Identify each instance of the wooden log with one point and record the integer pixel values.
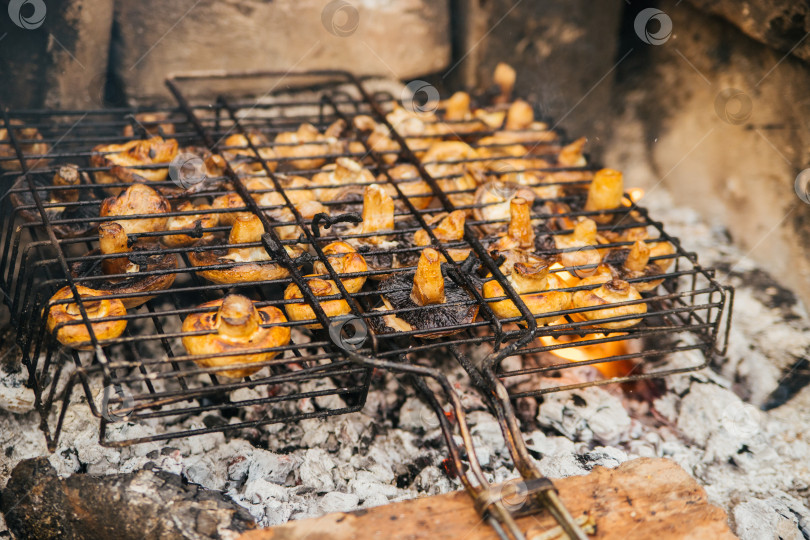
(641, 499)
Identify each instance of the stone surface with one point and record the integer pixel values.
(782, 24)
(564, 53)
(723, 122)
(145, 504)
(403, 38)
(59, 63)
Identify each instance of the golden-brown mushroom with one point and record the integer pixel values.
(340, 178)
(519, 233)
(306, 148)
(635, 264)
(459, 120)
(407, 177)
(153, 123)
(492, 204)
(663, 251)
(605, 193)
(612, 292)
(104, 313)
(236, 149)
(124, 274)
(344, 259)
(235, 326)
(30, 141)
(430, 303)
(571, 154)
(378, 138)
(450, 228)
(301, 311)
(193, 223)
(230, 202)
(419, 129)
(448, 162)
(519, 171)
(138, 199)
(538, 289)
(300, 193)
(245, 263)
(504, 77)
(137, 161)
(581, 248)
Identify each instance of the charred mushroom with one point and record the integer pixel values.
(634, 264)
(30, 141)
(605, 193)
(612, 292)
(538, 289)
(492, 204)
(521, 233)
(236, 326)
(301, 311)
(138, 161)
(192, 223)
(245, 263)
(57, 196)
(432, 304)
(138, 199)
(122, 275)
(104, 312)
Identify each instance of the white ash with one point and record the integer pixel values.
(752, 463)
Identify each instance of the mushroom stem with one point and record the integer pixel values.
(347, 170)
(520, 223)
(428, 283)
(530, 278)
(66, 175)
(504, 78)
(449, 229)
(378, 210)
(605, 191)
(638, 258)
(113, 239)
(585, 231)
(519, 116)
(237, 317)
(247, 228)
(457, 107)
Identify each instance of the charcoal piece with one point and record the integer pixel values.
(141, 505)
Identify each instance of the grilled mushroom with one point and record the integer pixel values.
(504, 77)
(581, 248)
(407, 177)
(245, 263)
(341, 180)
(344, 260)
(298, 189)
(135, 161)
(195, 222)
(306, 148)
(64, 177)
(571, 154)
(124, 272)
(458, 117)
(431, 304)
(537, 288)
(30, 140)
(605, 193)
(612, 292)
(521, 234)
(521, 128)
(76, 336)
(451, 164)
(301, 311)
(230, 202)
(634, 263)
(378, 138)
(244, 160)
(518, 171)
(138, 199)
(450, 228)
(235, 325)
(153, 123)
(419, 129)
(492, 204)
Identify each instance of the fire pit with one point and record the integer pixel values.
(316, 164)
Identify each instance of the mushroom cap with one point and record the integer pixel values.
(133, 162)
(306, 148)
(230, 201)
(234, 325)
(191, 221)
(431, 320)
(30, 149)
(135, 200)
(634, 264)
(301, 311)
(539, 303)
(344, 260)
(88, 266)
(612, 292)
(77, 336)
